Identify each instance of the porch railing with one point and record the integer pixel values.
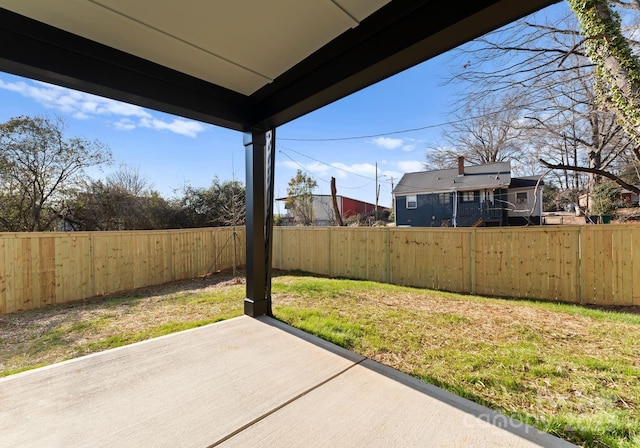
(469, 213)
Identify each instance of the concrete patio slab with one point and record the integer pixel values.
(242, 382)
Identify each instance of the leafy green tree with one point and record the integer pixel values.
(106, 206)
(124, 201)
(222, 204)
(606, 197)
(299, 200)
(38, 166)
(631, 173)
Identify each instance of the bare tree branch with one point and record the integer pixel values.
(602, 173)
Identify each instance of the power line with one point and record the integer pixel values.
(359, 137)
(303, 167)
(327, 164)
(422, 128)
(316, 176)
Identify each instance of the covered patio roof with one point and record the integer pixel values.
(241, 64)
(248, 65)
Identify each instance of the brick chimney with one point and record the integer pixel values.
(461, 166)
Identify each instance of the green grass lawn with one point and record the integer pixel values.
(570, 371)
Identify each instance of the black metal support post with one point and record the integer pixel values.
(259, 152)
(271, 173)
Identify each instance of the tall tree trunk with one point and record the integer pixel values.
(617, 68)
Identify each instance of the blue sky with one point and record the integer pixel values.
(171, 151)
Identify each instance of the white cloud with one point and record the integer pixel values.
(84, 106)
(124, 124)
(363, 169)
(178, 126)
(410, 166)
(405, 144)
(290, 164)
(388, 143)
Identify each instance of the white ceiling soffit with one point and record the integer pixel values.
(238, 44)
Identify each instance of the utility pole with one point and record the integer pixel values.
(393, 208)
(377, 192)
(334, 200)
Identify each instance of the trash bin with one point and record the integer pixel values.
(606, 219)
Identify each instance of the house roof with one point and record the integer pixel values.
(241, 64)
(493, 175)
(526, 181)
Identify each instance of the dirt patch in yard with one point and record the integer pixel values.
(59, 332)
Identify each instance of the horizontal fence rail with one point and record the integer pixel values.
(595, 264)
(38, 269)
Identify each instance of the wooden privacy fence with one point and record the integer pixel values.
(596, 264)
(38, 269)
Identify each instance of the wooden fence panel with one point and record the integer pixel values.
(340, 253)
(377, 254)
(579, 264)
(14, 277)
(594, 264)
(635, 267)
(610, 263)
(452, 261)
(38, 269)
(528, 263)
(4, 286)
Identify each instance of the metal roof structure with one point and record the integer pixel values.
(247, 65)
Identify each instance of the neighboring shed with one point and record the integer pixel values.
(323, 214)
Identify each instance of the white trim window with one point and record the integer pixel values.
(412, 201)
(444, 199)
(468, 196)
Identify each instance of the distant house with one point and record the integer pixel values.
(323, 214)
(627, 198)
(468, 196)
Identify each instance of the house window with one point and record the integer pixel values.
(521, 198)
(412, 201)
(468, 196)
(444, 198)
